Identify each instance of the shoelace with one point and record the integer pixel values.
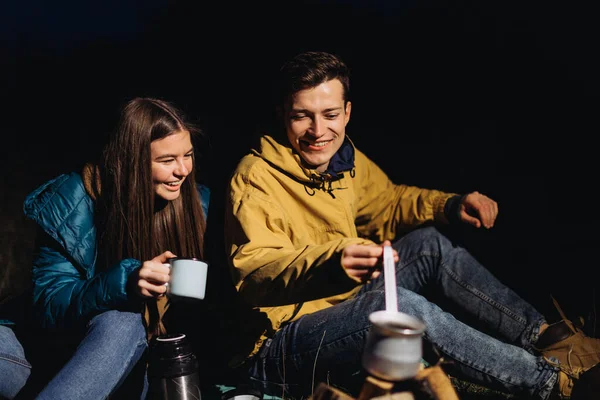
(571, 371)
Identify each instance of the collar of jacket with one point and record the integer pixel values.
(285, 158)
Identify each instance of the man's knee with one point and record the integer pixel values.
(423, 235)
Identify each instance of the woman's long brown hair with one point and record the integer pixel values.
(132, 222)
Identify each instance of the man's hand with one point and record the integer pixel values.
(364, 262)
(152, 277)
(478, 210)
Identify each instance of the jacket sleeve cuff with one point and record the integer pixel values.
(452, 209)
(439, 208)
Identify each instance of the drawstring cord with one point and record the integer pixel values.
(325, 183)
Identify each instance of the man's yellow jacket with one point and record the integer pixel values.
(287, 225)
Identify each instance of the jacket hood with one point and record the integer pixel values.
(64, 210)
(287, 160)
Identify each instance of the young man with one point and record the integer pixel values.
(307, 217)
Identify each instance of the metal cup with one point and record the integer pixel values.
(394, 346)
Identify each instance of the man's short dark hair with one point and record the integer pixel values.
(310, 69)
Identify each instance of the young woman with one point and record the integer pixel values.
(105, 232)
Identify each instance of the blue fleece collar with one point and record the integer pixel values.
(342, 160)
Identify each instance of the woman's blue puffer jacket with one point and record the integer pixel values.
(67, 291)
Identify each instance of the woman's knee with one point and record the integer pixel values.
(120, 324)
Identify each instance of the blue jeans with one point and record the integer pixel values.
(14, 368)
(327, 346)
(103, 363)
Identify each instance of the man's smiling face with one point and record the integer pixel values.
(316, 123)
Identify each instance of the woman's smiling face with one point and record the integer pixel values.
(172, 161)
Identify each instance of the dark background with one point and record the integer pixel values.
(495, 96)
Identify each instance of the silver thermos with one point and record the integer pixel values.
(173, 369)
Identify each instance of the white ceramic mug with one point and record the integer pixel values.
(188, 277)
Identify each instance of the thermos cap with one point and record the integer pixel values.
(171, 355)
(242, 393)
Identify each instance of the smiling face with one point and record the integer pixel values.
(316, 123)
(172, 162)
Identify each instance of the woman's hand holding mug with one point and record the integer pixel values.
(153, 276)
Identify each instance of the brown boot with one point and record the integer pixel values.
(577, 384)
(567, 343)
(587, 386)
